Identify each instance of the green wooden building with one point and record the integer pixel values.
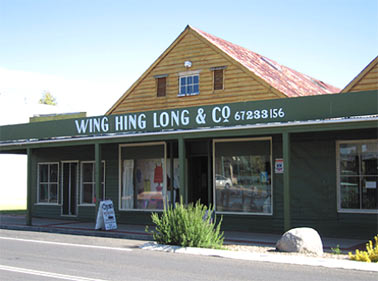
(269, 147)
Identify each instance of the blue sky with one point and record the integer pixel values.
(88, 53)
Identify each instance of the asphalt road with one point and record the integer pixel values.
(45, 256)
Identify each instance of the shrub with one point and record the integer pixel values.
(187, 226)
(370, 255)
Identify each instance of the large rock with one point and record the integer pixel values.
(301, 240)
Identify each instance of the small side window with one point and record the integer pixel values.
(161, 86)
(218, 79)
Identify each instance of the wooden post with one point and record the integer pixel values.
(286, 179)
(182, 168)
(98, 172)
(29, 201)
(210, 173)
(172, 199)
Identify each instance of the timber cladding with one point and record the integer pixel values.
(368, 82)
(239, 84)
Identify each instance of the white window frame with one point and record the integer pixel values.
(189, 74)
(48, 183)
(271, 171)
(338, 184)
(120, 175)
(93, 182)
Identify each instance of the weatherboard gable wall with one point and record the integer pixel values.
(239, 83)
(366, 80)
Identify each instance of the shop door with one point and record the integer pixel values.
(198, 179)
(69, 188)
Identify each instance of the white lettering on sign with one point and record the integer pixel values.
(171, 119)
(179, 118)
(221, 115)
(130, 122)
(93, 125)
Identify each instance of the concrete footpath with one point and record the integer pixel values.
(127, 231)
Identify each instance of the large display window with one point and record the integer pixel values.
(242, 176)
(142, 176)
(357, 163)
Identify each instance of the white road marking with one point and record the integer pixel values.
(67, 244)
(46, 274)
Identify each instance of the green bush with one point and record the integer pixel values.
(370, 255)
(187, 226)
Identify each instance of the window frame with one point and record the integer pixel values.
(157, 79)
(164, 190)
(38, 202)
(338, 177)
(188, 74)
(214, 69)
(271, 169)
(93, 182)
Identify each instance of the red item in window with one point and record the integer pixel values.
(158, 174)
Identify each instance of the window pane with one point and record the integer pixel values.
(349, 159)
(218, 79)
(88, 172)
(349, 192)
(369, 193)
(161, 86)
(183, 81)
(43, 193)
(43, 172)
(88, 195)
(183, 90)
(190, 90)
(242, 182)
(143, 178)
(195, 89)
(190, 79)
(196, 79)
(53, 172)
(369, 156)
(53, 193)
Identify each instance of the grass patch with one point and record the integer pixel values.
(13, 212)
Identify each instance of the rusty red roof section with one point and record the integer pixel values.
(286, 80)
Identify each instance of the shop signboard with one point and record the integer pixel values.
(106, 216)
(209, 116)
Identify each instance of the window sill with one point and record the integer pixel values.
(358, 211)
(46, 204)
(185, 95)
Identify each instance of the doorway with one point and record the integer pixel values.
(199, 171)
(69, 188)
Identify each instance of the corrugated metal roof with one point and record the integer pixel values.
(286, 80)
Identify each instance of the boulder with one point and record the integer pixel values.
(301, 240)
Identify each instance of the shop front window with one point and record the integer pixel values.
(358, 175)
(88, 182)
(48, 183)
(143, 176)
(243, 176)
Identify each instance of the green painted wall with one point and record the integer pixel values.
(312, 191)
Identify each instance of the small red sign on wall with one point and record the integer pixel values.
(279, 166)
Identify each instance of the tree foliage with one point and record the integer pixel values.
(48, 98)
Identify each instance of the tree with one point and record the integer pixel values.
(47, 98)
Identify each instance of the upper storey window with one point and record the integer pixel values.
(189, 84)
(161, 85)
(218, 77)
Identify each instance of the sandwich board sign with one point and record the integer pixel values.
(106, 217)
